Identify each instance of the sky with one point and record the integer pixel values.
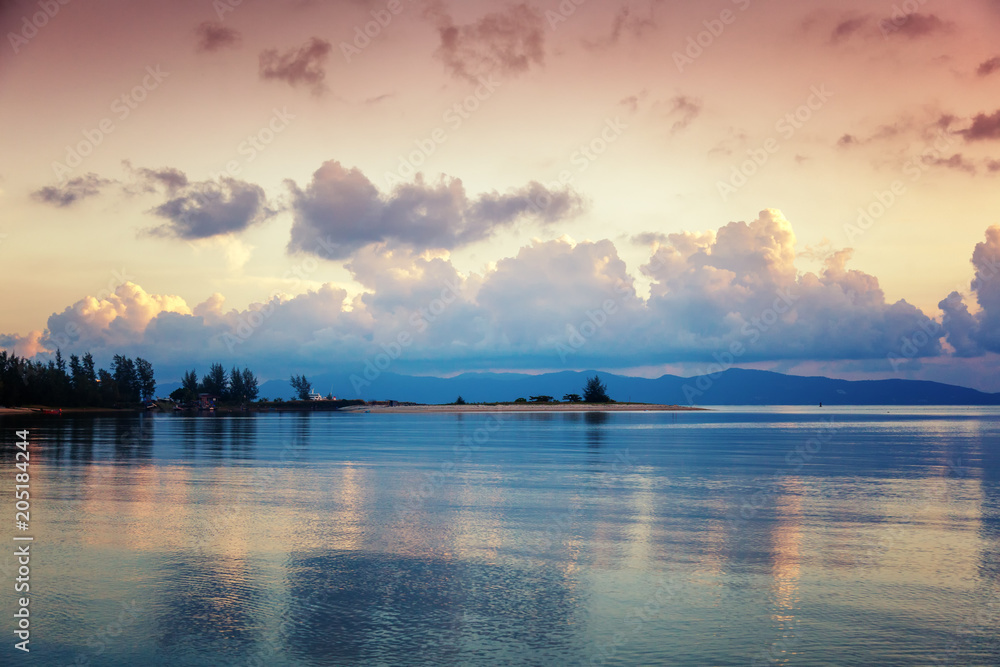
(641, 187)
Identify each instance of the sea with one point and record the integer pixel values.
(733, 536)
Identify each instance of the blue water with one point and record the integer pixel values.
(741, 536)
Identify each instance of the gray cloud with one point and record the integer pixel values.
(507, 42)
(983, 127)
(988, 67)
(848, 27)
(152, 180)
(206, 209)
(297, 66)
(72, 190)
(213, 36)
(343, 205)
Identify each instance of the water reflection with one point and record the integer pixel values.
(534, 547)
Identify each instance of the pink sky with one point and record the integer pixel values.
(687, 161)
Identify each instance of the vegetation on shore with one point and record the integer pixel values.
(76, 384)
(594, 391)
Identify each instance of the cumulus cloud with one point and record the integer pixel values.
(72, 191)
(341, 211)
(556, 303)
(212, 208)
(986, 262)
(505, 43)
(741, 285)
(213, 36)
(304, 65)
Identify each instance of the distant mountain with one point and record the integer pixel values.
(732, 387)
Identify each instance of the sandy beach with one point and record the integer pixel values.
(523, 407)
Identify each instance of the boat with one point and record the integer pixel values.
(51, 411)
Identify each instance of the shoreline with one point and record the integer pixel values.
(524, 407)
(436, 409)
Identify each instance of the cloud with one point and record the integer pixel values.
(986, 262)
(847, 28)
(341, 211)
(507, 42)
(625, 22)
(556, 303)
(960, 326)
(970, 334)
(684, 109)
(915, 25)
(297, 66)
(213, 36)
(207, 209)
(983, 127)
(741, 285)
(72, 190)
(23, 346)
(988, 67)
(956, 161)
(152, 180)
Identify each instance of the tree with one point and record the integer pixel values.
(572, 398)
(595, 391)
(540, 399)
(146, 377)
(302, 387)
(250, 387)
(236, 391)
(215, 382)
(126, 378)
(459, 401)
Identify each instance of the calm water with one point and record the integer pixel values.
(865, 536)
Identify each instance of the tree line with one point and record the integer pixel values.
(236, 386)
(78, 384)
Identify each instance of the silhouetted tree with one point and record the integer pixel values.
(595, 391)
(572, 398)
(250, 387)
(301, 386)
(146, 378)
(215, 381)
